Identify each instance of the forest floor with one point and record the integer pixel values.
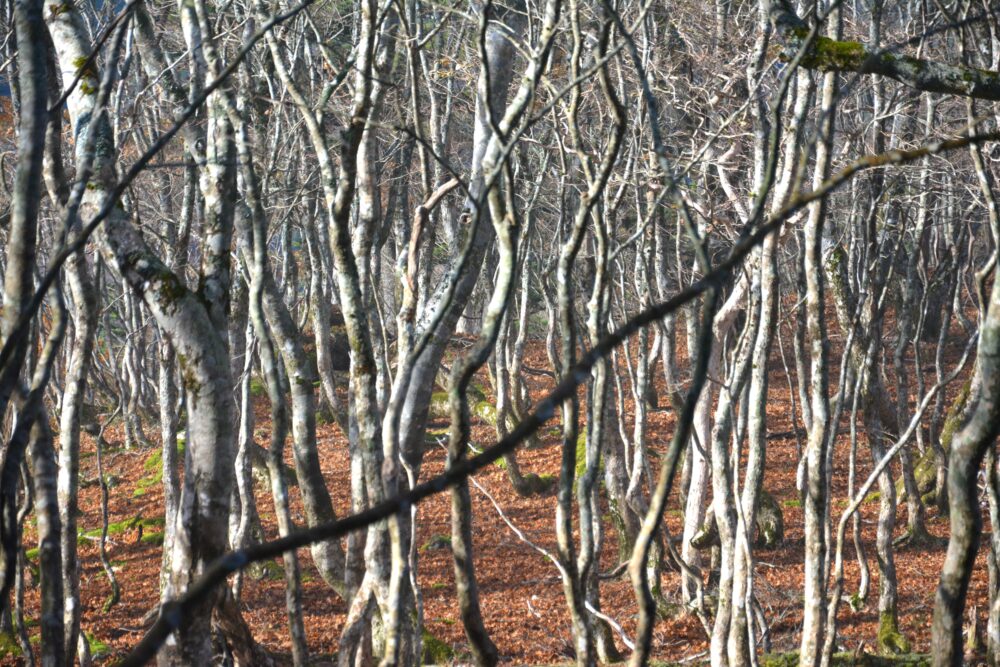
(521, 593)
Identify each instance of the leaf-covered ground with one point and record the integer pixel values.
(521, 594)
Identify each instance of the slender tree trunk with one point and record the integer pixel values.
(967, 451)
(815, 505)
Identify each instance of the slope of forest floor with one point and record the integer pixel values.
(522, 598)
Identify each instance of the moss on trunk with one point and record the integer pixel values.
(770, 526)
(890, 641)
(925, 467)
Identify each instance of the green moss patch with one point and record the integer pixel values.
(153, 538)
(257, 388)
(791, 659)
(436, 652)
(441, 541)
(154, 466)
(152, 532)
(9, 648)
(98, 648)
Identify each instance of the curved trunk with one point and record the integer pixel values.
(202, 523)
(499, 65)
(328, 556)
(967, 451)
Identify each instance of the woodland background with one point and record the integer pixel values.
(524, 332)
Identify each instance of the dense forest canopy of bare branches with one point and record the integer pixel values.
(320, 264)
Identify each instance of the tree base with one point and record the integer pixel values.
(890, 641)
(919, 539)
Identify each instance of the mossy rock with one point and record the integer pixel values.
(267, 569)
(436, 652)
(770, 521)
(548, 480)
(438, 408)
(479, 406)
(538, 485)
(485, 411)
